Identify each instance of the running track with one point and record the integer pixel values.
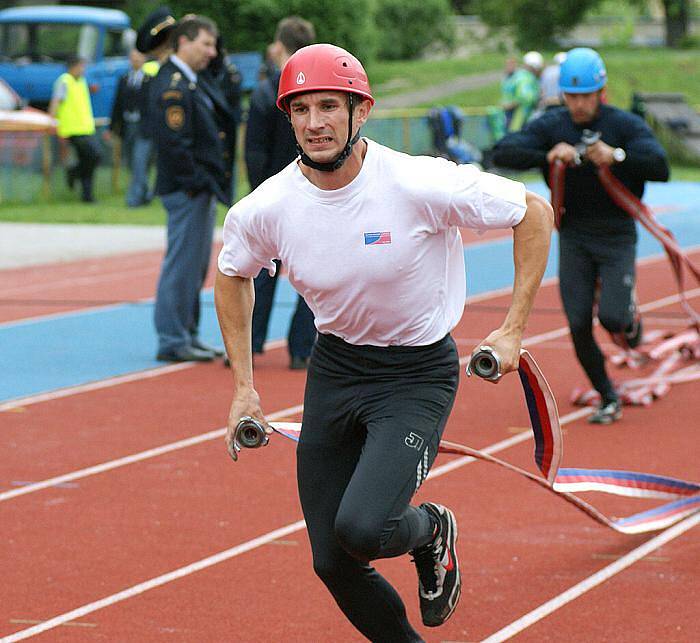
(103, 555)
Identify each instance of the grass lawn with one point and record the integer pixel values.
(399, 76)
(629, 71)
(64, 206)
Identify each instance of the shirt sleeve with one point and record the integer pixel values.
(246, 248)
(59, 90)
(484, 201)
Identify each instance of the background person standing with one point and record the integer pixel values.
(269, 147)
(70, 105)
(153, 40)
(550, 94)
(192, 175)
(525, 90)
(127, 122)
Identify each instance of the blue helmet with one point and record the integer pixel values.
(582, 72)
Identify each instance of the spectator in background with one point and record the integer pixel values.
(70, 105)
(223, 77)
(526, 90)
(154, 42)
(550, 94)
(269, 147)
(192, 175)
(508, 89)
(130, 102)
(126, 112)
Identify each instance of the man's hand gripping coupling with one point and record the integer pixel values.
(496, 355)
(247, 426)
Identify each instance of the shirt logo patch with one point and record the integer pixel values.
(301, 79)
(377, 238)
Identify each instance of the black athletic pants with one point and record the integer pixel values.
(373, 418)
(583, 262)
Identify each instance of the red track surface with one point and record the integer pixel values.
(67, 546)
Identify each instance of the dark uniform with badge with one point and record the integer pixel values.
(187, 120)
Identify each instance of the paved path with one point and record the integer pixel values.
(435, 92)
(30, 244)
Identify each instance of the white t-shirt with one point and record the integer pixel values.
(379, 261)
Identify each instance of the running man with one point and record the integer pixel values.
(597, 239)
(371, 241)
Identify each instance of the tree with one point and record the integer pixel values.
(408, 28)
(249, 25)
(677, 14)
(534, 24)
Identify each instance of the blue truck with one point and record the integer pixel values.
(36, 41)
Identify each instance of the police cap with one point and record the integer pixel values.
(155, 29)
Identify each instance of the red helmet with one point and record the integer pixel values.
(322, 67)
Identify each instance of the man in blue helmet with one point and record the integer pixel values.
(597, 239)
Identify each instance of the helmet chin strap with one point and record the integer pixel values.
(332, 166)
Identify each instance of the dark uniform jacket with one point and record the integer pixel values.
(223, 77)
(189, 138)
(269, 142)
(588, 208)
(129, 98)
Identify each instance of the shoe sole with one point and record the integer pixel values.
(610, 420)
(457, 589)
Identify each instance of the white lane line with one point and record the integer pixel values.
(247, 546)
(592, 581)
(7, 495)
(93, 386)
(155, 582)
(130, 459)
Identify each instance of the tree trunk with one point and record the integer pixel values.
(677, 17)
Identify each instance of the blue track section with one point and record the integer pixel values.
(67, 350)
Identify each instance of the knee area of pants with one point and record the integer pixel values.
(612, 323)
(581, 327)
(360, 539)
(328, 569)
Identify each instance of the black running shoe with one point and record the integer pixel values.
(439, 582)
(607, 413)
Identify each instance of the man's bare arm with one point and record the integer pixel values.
(234, 298)
(531, 239)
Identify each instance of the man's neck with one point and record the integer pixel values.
(184, 67)
(341, 177)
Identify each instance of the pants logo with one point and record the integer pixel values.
(413, 441)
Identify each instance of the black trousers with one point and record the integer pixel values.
(584, 262)
(88, 152)
(373, 418)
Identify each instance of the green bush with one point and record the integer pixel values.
(408, 27)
